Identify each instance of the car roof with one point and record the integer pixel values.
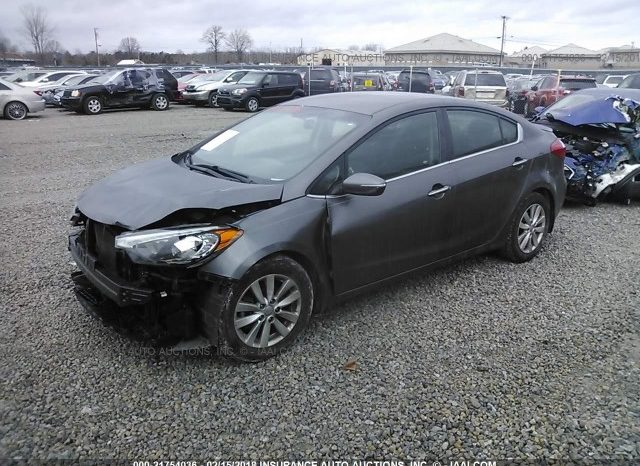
(370, 103)
(604, 92)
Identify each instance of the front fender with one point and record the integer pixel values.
(296, 227)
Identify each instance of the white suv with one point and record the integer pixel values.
(204, 90)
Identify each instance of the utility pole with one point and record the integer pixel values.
(95, 36)
(504, 30)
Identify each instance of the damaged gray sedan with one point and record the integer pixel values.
(237, 241)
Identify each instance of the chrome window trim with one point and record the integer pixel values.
(519, 139)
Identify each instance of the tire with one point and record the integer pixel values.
(252, 105)
(236, 304)
(15, 110)
(227, 108)
(92, 105)
(160, 102)
(213, 99)
(527, 216)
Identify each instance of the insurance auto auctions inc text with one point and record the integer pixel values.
(352, 463)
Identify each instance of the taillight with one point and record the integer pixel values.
(558, 148)
(461, 92)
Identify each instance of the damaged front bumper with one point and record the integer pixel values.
(132, 299)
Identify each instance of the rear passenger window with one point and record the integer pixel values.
(401, 147)
(473, 131)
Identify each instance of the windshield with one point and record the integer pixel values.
(277, 144)
(217, 76)
(74, 80)
(252, 78)
(485, 80)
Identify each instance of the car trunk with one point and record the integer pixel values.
(485, 92)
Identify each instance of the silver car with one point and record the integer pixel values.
(483, 86)
(17, 101)
(205, 90)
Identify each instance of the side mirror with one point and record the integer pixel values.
(364, 184)
(534, 88)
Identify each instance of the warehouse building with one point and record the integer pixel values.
(571, 57)
(442, 50)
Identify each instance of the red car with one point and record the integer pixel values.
(549, 90)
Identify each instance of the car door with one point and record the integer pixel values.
(487, 157)
(269, 92)
(118, 91)
(409, 224)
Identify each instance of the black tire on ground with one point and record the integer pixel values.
(221, 302)
(15, 110)
(227, 108)
(516, 233)
(92, 105)
(252, 104)
(213, 98)
(160, 102)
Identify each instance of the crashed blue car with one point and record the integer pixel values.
(601, 131)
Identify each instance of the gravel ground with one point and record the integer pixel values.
(482, 359)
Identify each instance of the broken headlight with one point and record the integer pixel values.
(176, 246)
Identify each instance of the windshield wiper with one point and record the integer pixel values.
(217, 171)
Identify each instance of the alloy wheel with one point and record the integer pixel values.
(16, 111)
(531, 228)
(252, 105)
(94, 105)
(267, 311)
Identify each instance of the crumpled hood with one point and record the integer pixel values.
(613, 109)
(147, 192)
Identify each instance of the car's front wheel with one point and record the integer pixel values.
(92, 105)
(263, 313)
(159, 102)
(528, 228)
(213, 99)
(15, 111)
(252, 105)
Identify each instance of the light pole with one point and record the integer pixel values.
(95, 36)
(504, 28)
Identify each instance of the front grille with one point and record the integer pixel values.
(100, 242)
(67, 93)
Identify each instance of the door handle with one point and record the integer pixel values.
(518, 162)
(438, 191)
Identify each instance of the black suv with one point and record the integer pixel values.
(122, 88)
(323, 80)
(415, 81)
(261, 89)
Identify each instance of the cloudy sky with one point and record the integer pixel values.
(170, 25)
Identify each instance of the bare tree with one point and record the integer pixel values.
(6, 47)
(213, 36)
(353, 47)
(37, 28)
(130, 46)
(53, 50)
(239, 41)
(370, 47)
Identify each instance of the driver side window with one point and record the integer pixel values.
(402, 146)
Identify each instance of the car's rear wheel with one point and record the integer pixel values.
(527, 228)
(265, 311)
(159, 102)
(15, 111)
(213, 99)
(252, 105)
(92, 105)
